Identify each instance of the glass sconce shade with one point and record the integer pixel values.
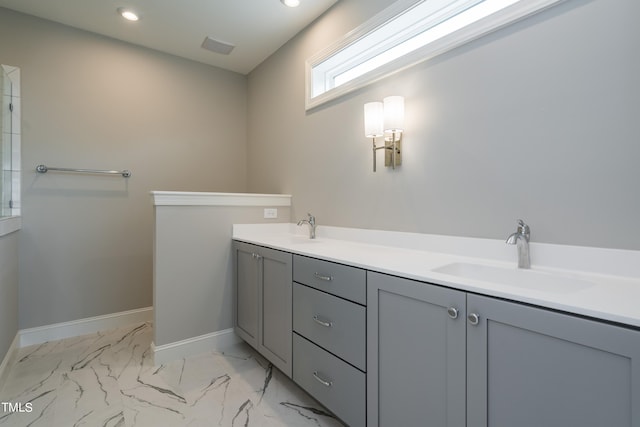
(382, 118)
(394, 114)
(373, 119)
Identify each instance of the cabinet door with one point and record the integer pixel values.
(530, 367)
(246, 270)
(276, 308)
(416, 354)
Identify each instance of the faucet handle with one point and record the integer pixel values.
(523, 228)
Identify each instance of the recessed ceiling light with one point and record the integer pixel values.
(128, 14)
(291, 3)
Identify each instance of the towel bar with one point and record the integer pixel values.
(44, 169)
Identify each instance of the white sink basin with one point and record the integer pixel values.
(300, 239)
(521, 278)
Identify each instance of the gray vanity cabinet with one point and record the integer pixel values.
(263, 301)
(246, 275)
(493, 363)
(329, 340)
(531, 367)
(416, 353)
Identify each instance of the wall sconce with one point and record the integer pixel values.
(386, 120)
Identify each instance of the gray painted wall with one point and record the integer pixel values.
(8, 291)
(537, 121)
(94, 102)
(193, 283)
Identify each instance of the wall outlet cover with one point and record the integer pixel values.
(270, 213)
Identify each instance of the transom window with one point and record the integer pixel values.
(408, 32)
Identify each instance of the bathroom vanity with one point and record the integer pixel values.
(437, 354)
(329, 335)
(263, 301)
(419, 331)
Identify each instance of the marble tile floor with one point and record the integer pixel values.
(107, 379)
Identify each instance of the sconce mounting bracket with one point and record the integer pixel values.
(389, 148)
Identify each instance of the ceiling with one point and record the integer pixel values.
(257, 28)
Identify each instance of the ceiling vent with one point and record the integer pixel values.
(217, 46)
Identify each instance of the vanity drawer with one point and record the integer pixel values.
(334, 324)
(336, 384)
(337, 279)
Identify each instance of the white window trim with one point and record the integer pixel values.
(471, 32)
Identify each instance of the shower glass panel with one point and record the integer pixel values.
(10, 143)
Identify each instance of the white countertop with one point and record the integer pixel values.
(596, 282)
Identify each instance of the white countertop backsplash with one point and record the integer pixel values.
(614, 273)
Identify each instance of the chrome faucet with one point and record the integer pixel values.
(521, 239)
(312, 225)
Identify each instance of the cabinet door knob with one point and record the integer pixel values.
(322, 322)
(256, 256)
(452, 312)
(323, 277)
(321, 380)
(473, 318)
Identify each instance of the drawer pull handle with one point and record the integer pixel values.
(322, 322)
(322, 381)
(323, 277)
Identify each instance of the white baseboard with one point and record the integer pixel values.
(166, 353)
(78, 327)
(8, 360)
